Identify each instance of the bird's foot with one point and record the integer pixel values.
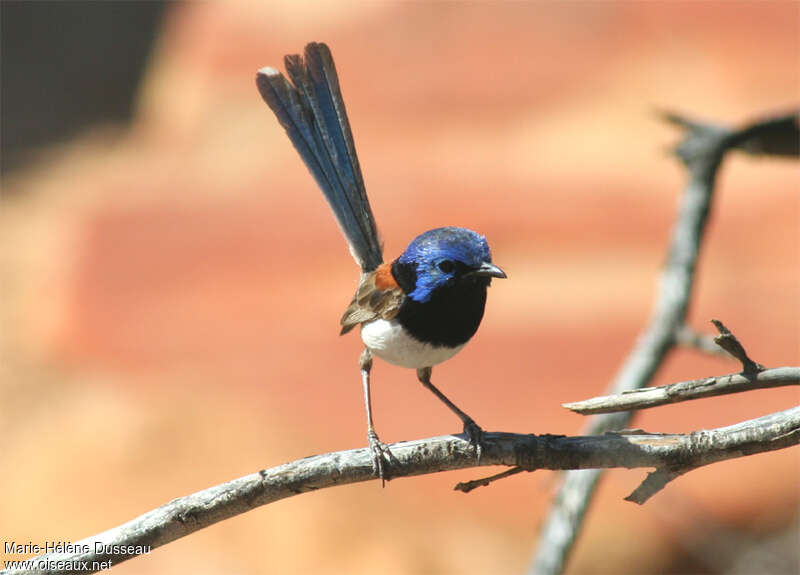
(380, 456)
(474, 435)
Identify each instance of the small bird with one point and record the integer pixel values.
(423, 307)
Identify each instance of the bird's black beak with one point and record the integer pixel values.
(488, 270)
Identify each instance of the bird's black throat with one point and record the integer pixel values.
(452, 314)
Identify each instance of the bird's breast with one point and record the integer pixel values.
(391, 342)
(450, 317)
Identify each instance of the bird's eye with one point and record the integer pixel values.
(446, 266)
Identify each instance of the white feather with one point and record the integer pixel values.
(390, 342)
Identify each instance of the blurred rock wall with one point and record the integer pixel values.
(172, 287)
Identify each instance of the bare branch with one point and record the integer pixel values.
(701, 150)
(686, 390)
(742, 439)
(185, 515)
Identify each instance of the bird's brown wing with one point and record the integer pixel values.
(378, 297)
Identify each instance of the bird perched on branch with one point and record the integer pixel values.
(423, 307)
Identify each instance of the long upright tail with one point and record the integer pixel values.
(311, 110)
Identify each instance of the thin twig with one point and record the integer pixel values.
(185, 515)
(467, 486)
(727, 341)
(686, 390)
(655, 482)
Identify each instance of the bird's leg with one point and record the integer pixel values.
(472, 430)
(379, 450)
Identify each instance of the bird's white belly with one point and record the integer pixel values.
(387, 340)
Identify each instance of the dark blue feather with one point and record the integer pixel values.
(312, 112)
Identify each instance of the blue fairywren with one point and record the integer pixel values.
(422, 308)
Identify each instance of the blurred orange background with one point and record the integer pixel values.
(173, 286)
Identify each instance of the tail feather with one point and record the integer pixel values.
(311, 110)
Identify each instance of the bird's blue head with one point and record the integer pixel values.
(445, 256)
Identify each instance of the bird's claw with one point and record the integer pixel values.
(380, 456)
(474, 435)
